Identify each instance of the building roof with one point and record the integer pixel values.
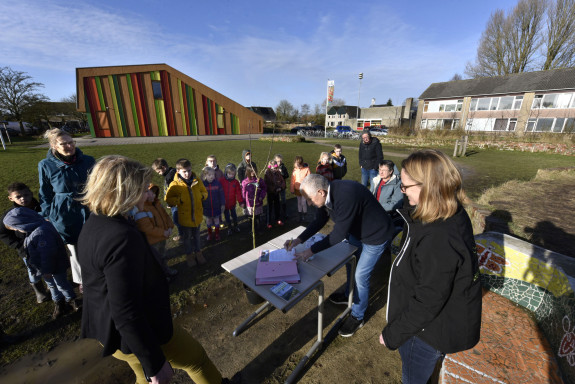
(267, 113)
(552, 80)
(350, 110)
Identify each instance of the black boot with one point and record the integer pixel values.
(59, 308)
(40, 292)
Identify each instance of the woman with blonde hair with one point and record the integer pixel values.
(62, 176)
(126, 298)
(434, 291)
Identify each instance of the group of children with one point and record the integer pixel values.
(191, 199)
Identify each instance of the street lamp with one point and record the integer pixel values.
(358, 95)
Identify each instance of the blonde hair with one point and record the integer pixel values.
(115, 185)
(329, 160)
(54, 134)
(206, 171)
(441, 185)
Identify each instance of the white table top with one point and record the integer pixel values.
(326, 262)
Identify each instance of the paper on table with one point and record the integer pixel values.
(281, 255)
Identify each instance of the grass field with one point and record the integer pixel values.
(20, 315)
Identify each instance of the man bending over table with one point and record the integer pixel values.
(360, 218)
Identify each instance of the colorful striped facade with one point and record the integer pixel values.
(157, 100)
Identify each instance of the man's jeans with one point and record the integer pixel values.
(418, 360)
(367, 176)
(369, 256)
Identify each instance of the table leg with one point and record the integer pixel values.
(243, 325)
(295, 373)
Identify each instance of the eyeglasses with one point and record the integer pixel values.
(404, 187)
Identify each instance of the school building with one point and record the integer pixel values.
(157, 100)
(542, 101)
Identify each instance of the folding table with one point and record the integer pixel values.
(324, 263)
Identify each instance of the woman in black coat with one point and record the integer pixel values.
(434, 291)
(126, 298)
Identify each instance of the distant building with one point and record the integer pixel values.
(389, 116)
(157, 100)
(267, 113)
(542, 101)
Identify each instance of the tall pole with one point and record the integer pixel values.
(358, 96)
(326, 105)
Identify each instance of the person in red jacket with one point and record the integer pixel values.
(233, 196)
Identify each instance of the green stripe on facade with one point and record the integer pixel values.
(100, 93)
(159, 119)
(133, 104)
(115, 102)
(210, 125)
(120, 103)
(89, 115)
(182, 110)
(192, 111)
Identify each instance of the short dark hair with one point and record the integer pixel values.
(388, 163)
(183, 163)
(159, 163)
(337, 146)
(17, 186)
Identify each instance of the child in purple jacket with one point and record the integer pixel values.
(215, 203)
(253, 192)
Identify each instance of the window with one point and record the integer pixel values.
(441, 107)
(572, 102)
(569, 125)
(157, 89)
(473, 105)
(423, 124)
(506, 102)
(494, 102)
(558, 127)
(517, 102)
(563, 100)
(425, 106)
(512, 124)
(550, 100)
(537, 101)
(530, 125)
(450, 108)
(483, 104)
(459, 105)
(544, 125)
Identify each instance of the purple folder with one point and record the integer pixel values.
(273, 272)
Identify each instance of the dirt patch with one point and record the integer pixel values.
(538, 210)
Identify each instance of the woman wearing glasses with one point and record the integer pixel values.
(434, 291)
(63, 174)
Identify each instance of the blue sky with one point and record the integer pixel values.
(255, 52)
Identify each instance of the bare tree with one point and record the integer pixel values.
(18, 93)
(285, 110)
(305, 111)
(455, 77)
(509, 43)
(559, 44)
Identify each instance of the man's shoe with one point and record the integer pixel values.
(40, 292)
(75, 304)
(200, 258)
(338, 298)
(350, 326)
(59, 309)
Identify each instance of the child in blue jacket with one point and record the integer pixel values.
(46, 255)
(215, 203)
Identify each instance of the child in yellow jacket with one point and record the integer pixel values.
(187, 192)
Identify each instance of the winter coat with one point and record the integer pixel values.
(284, 171)
(215, 200)
(434, 289)
(339, 166)
(297, 177)
(325, 170)
(232, 192)
(45, 250)
(275, 182)
(218, 172)
(242, 166)
(249, 192)
(126, 302)
(390, 197)
(370, 154)
(187, 199)
(354, 211)
(153, 221)
(60, 186)
(168, 178)
(15, 239)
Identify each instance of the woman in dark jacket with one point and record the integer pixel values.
(126, 298)
(63, 174)
(434, 291)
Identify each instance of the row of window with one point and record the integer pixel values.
(546, 124)
(496, 103)
(554, 100)
(443, 106)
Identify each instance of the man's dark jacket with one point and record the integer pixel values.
(434, 289)
(370, 154)
(355, 211)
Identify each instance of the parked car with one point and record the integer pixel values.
(297, 129)
(343, 128)
(377, 129)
